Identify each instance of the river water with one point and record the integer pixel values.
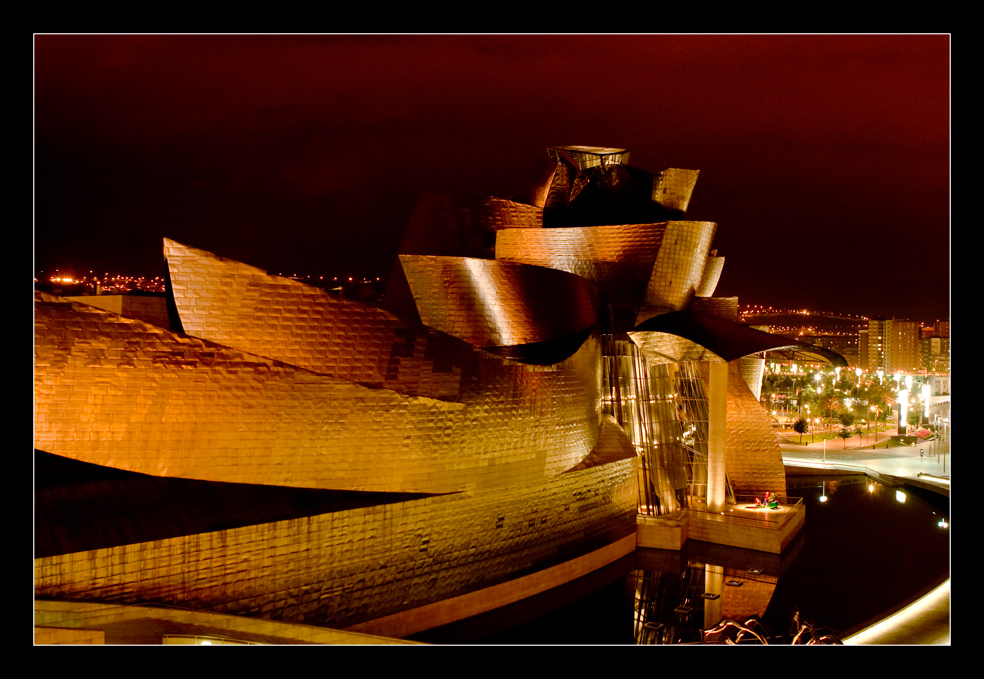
(864, 551)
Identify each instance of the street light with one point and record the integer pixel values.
(903, 409)
(871, 409)
(946, 421)
(819, 379)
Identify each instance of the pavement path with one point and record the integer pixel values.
(903, 462)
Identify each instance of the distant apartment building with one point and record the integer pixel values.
(938, 398)
(891, 345)
(935, 354)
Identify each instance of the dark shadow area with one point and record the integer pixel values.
(80, 506)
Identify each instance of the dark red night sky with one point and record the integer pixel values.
(825, 160)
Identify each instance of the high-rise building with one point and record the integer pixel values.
(892, 345)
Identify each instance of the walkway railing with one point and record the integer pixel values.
(887, 479)
(821, 456)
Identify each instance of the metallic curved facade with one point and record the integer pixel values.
(673, 188)
(488, 303)
(711, 275)
(489, 421)
(678, 268)
(619, 260)
(166, 404)
(667, 347)
(753, 458)
(349, 568)
(641, 270)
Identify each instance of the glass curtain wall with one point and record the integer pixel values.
(663, 410)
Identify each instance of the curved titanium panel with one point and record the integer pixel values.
(728, 340)
(464, 226)
(499, 213)
(666, 347)
(673, 187)
(617, 259)
(678, 268)
(752, 454)
(584, 157)
(494, 304)
(348, 567)
(752, 369)
(613, 446)
(713, 267)
(242, 307)
(641, 270)
(121, 393)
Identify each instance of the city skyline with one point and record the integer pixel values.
(298, 153)
(84, 284)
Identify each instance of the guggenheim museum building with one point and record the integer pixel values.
(547, 383)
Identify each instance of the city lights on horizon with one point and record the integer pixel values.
(120, 283)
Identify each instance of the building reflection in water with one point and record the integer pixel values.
(840, 574)
(679, 594)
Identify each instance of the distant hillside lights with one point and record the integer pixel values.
(753, 310)
(121, 284)
(104, 283)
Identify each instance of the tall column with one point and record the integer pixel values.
(717, 429)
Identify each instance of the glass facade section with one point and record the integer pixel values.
(663, 409)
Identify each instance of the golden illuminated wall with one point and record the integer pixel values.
(665, 347)
(673, 187)
(490, 303)
(619, 260)
(752, 371)
(641, 269)
(242, 307)
(753, 457)
(710, 276)
(678, 267)
(351, 566)
(122, 393)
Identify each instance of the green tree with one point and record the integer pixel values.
(859, 407)
(846, 418)
(859, 432)
(801, 426)
(830, 402)
(806, 396)
(914, 417)
(845, 434)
